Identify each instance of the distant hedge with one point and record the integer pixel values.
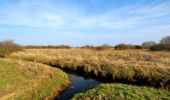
(48, 47)
(101, 47)
(164, 45)
(7, 47)
(126, 46)
(160, 47)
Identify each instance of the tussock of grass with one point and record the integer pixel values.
(134, 66)
(20, 80)
(122, 92)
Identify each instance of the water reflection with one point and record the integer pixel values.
(78, 84)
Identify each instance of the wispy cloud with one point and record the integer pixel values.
(119, 18)
(73, 19)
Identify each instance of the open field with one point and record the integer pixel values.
(126, 66)
(122, 92)
(20, 80)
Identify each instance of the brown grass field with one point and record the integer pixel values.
(132, 66)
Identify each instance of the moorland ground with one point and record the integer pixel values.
(127, 66)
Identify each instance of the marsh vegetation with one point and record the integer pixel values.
(27, 72)
(126, 66)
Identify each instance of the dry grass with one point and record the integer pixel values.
(134, 66)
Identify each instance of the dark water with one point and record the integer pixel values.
(78, 84)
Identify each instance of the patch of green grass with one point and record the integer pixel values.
(123, 92)
(48, 88)
(20, 80)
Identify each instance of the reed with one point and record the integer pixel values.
(126, 66)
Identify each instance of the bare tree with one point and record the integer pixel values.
(7, 47)
(165, 40)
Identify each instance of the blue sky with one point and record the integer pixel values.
(81, 22)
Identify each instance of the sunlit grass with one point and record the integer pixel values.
(122, 92)
(20, 80)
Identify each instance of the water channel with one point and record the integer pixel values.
(78, 84)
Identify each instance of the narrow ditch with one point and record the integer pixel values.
(82, 81)
(78, 84)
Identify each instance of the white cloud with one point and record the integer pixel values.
(125, 17)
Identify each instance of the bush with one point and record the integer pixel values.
(7, 47)
(88, 47)
(148, 44)
(103, 47)
(138, 47)
(164, 45)
(165, 40)
(124, 46)
(160, 47)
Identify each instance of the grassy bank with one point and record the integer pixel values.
(122, 92)
(20, 80)
(126, 66)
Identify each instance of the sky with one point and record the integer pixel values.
(81, 22)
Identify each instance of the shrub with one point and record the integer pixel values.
(124, 46)
(164, 45)
(88, 47)
(138, 47)
(103, 47)
(160, 47)
(7, 47)
(165, 40)
(148, 44)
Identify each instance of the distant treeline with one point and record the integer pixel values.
(102, 47)
(8, 46)
(47, 47)
(163, 45)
